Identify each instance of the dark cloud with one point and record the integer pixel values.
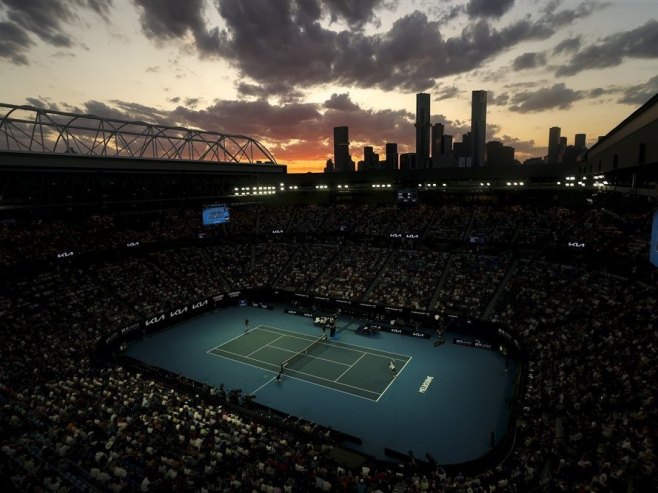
(557, 96)
(45, 18)
(447, 92)
(101, 7)
(597, 92)
(136, 111)
(640, 93)
(42, 103)
(191, 102)
(154, 69)
(166, 20)
(528, 60)
(340, 102)
(49, 20)
(258, 118)
(488, 8)
(355, 13)
(497, 99)
(174, 100)
(266, 90)
(102, 110)
(14, 43)
(641, 42)
(557, 19)
(267, 40)
(568, 45)
(523, 149)
(524, 84)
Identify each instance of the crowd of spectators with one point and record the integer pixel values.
(591, 407)
(471, 281)
(409, 280)
(495, 224)
(449, 223)
(70, 422)
(307, 263)
(308, 219)
(350, 274)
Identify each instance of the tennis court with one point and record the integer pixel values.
(347, 368)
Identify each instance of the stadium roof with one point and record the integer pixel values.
(36, 130)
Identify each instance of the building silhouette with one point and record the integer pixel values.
(408, 161)
(446, 145)
(422, 129)
(437, 144)
(499, 154)
(342, 159)
(580, 142)
(370, 160)
(464, 151)
(391, 156)
(554, 144)
(478, 126)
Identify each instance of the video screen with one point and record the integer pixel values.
(215, 214)
(653, 255)
(407, 196)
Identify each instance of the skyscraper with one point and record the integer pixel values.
(499, 154)
(342, 149)
(437, 144)
(580, 142)
(422, 129)
(478, 126)
(391, 155)
(554, 144)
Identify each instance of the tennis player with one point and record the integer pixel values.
(391, 366)
(246, 325)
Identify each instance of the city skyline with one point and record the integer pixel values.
(288, 72)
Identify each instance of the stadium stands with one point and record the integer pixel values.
(72, 421)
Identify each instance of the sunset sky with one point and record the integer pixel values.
(287, 71)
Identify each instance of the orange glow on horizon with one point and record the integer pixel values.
(304, 166)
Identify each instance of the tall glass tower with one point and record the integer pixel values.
(478, 126)
(422, 129)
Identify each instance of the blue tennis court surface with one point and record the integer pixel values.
(355, 370)
(444, 400)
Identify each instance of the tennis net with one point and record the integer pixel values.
(303, 352)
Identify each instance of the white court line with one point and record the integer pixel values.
(269, 381)
(268, 344)
(392, 380)
(308, 355)
(334, 344)
(298, 336)
(299, 379)
(339, 345)
(238, 337)
(341, 375)
(300, 372)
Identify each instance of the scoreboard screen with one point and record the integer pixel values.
(653, 254)
(215, 214)
(407, 196)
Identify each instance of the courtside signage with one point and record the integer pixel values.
(425, 385)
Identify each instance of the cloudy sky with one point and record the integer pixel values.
(287, 71)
